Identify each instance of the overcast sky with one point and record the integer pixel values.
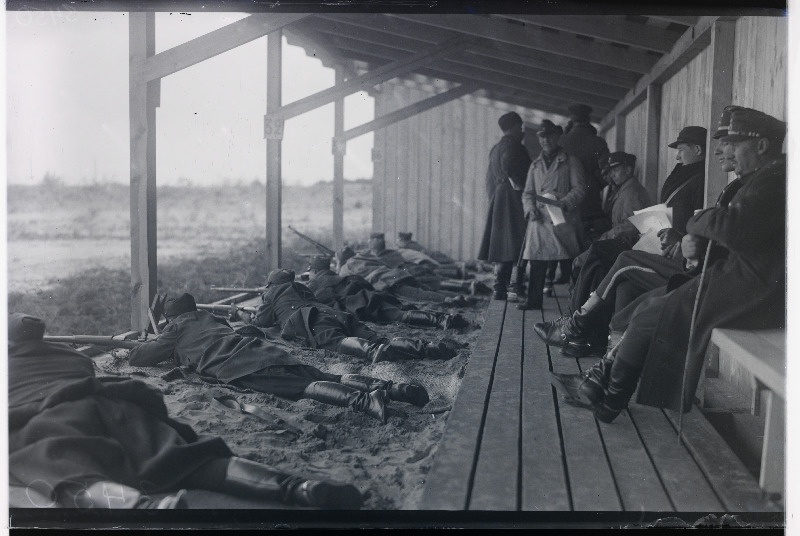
(67, 105)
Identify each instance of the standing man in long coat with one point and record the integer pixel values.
(745, 290)
(581, 141)
(554, 178)
(505, 223)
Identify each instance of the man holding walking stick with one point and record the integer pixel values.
(744, 290)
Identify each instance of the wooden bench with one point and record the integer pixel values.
(512, 443)
(763, 354)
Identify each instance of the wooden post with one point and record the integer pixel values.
(652, 128)
(339, 150)
(273, 132)
(144, 99)
(722, 48)
(619, 133)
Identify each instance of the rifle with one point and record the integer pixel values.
(320, 247)
(214, 307)
(94, 340)
(234, 289)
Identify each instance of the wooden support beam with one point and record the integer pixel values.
(144, 99)
(451, 68)
(560, 45)
(606, 28)
(689, 45)
(619, 133)
(212, 44)
(721, 64)
(369, 79)
(339, 149)
(651, 141)
(408, 111)
(273, 132)
(686, 20)
(389, 30)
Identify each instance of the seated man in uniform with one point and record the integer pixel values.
(208, 344)
(683, 191)
(292, 307)
(664, 343)
(86, 442)
(634, 274)
(355, 295)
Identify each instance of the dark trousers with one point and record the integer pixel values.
(287, 381)
(634, 346)
(538, 272)
(502, 275)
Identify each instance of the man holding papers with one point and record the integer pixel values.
(553, 191)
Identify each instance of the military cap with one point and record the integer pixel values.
(580, 111)
(182, 304)
(602, 162)
(747, 123)
(725, 121)
(320, 262)
(345, 253)
(548, 127)
(22, 327)
(692, 135)
(404, 236)
(508, 120)
(621, 158)
(280, 276)
(377, 235)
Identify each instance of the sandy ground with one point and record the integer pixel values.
(387, 462)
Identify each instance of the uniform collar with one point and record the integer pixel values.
(560, 156)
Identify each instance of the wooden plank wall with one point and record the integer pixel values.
(760, 78)
(430, 176)
(635, 127)
(611, 139)
(685, 101)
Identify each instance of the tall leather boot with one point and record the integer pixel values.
(411, 393)
(621, 385)
(433, 320)
(404, 348)
(340, 395)
(595, 380)
(251, 479)
(362, 348)
(535, 297)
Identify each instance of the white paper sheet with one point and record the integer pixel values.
(556, 214)
(652, 218)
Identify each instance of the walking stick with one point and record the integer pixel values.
(691, 335)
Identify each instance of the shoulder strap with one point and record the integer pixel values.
(678, 189)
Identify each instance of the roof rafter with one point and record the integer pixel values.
(607, 28)
(562, 45)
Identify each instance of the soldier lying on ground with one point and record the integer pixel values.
(88, 442)
(404, 280)
(404, 241)
(292, 307)
(209, 345)
(745, 290)
(354, 294)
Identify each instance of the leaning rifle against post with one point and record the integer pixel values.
(239, 289)
(322, 248)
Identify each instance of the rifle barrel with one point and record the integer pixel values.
(234, 289)
(225, 308)
(94, 340)
(321, 247)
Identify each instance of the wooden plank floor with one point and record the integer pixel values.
(512, 443)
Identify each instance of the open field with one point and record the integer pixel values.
(56, 231)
